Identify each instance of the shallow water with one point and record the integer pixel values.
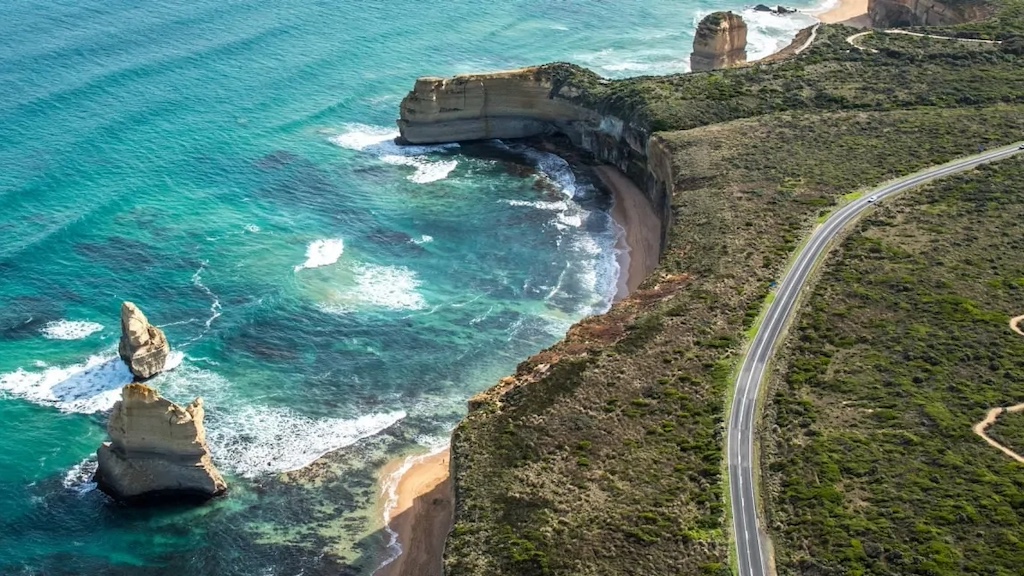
(228, 166)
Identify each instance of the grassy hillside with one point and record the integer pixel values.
(611, 462)
(604, 454)
(901, 72)
(870, 461)
(1009, 431)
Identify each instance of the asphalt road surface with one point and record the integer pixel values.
(750, 548)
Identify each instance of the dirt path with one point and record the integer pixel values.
(981, 428)
(852, 39)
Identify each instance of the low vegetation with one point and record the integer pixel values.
(611, 463)
(1009, 431)
(604, 454)
(870, 462)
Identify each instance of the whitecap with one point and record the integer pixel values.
(252, 228)
(259, 440)
(70, 329)
(91, 386)
(380, 142)
(423, 239)
(322, 252)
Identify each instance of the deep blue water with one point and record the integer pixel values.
(228, 167)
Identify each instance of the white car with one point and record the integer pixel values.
(872, 198)
(1021, 147)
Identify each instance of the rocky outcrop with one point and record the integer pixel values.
(143, 347)
(901, 13)
(536, 101)
(720, 42)
(157, 450)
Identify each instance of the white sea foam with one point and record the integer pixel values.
(260, 440)
(70, 329)
(322, 252)
(393, 287)
(423, 239)
(768, 33)
(252, 228)
(381, 143)
(557, 206)
(91, 386)
(79, 477)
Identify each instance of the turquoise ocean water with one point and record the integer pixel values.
(228, 166)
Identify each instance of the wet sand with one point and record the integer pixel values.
(421, 514)
(640, 244)
(849, 12)
(422, 503)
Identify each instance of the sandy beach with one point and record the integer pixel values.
(421, 513)
(849, 12)
(421, 504)
(640, 244)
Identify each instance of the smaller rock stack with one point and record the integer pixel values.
(143, 347)
(720, 42)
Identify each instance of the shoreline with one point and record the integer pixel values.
(416, 491)
(849, 12)
(418, 500)
(418, 503)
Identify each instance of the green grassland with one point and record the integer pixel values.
(605, 454)
(1009, 431)
(870, 462)
(612, 462)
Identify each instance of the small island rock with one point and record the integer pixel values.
(143, 347)
(157, 451)
(720, 42)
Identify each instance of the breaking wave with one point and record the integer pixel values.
(381, 143)
(322, 253)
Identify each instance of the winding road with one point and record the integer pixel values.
(751, 541)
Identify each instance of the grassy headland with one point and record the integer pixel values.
(604, 455)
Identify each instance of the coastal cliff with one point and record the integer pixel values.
(898, 13)
(538, 101)
(720, 42)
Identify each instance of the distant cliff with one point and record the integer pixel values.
(901, 13)
(554, 98)
(720, 42)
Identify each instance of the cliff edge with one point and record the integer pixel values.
(536, 101)
(902, 13)
(720, 42)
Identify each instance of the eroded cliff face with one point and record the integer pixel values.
(720, 42)
(536, 101)
(898, 13)
(157, 450)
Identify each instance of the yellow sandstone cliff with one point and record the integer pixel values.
(900, 13)
(536, 101)
(720, 42)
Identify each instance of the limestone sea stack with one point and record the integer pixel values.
(720, 42)
(157, 451)
(143, 347)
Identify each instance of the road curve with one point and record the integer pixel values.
(750, 541)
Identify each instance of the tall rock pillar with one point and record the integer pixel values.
(720, 42)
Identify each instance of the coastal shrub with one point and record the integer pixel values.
(872, 466)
